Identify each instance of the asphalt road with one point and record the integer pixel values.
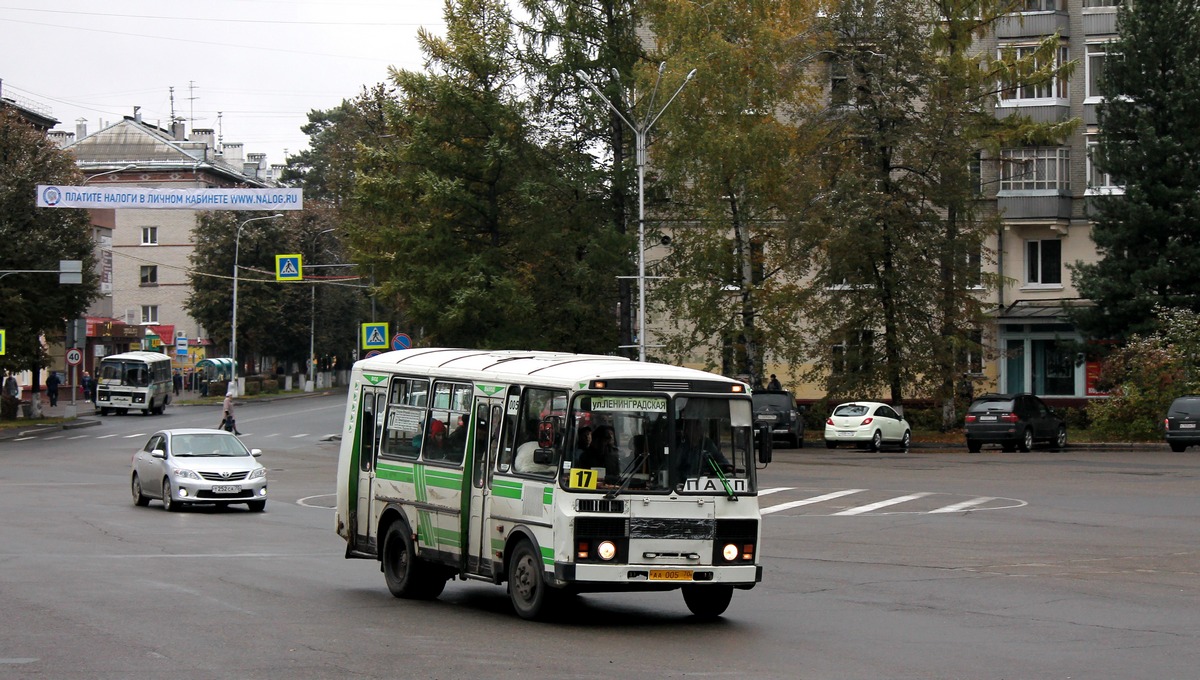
(928, 565)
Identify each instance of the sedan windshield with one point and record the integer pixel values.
(214, 444)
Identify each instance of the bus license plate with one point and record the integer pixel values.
(670, 574)
(227, 488)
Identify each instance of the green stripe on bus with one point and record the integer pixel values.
(507, 489)
(374, 379)
(548, 496)
(404, 475)
(443, 480)
(497, 545)
(449, 538)
(547, 555)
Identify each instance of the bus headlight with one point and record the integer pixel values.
(730, 552)
(606, 550)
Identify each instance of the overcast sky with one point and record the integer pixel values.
(263, 64)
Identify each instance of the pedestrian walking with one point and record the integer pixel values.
(52, 383)
(774, 384)
(87, 386)
(228, 423)
(177, 382)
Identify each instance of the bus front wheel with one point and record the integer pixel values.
(404, 572)
(526, 587)
(707, 602)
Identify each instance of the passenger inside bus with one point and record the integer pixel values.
(695, 450)
(602, 453)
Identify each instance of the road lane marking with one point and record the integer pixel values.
(768, 492)
(809, 501)
(297, 436)
(106, 436)
(965, 504)
(135, 434)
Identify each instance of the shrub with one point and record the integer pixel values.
(270, 386)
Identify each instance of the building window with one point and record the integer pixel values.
(149, 275)
(1041, 5)
(1035, 168)
(149, 236)
(149, 314)
(1043, 262)
(1100, 3)
(855, 354)
(1019, 93)
(1096, 54)
(1098, 182)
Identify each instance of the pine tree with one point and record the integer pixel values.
(1148, 239)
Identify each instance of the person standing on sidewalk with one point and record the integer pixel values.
(52, 383)
(228, 423)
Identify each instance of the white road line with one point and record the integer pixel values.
(965, 504)
(883, 504)
(297, 436)
(136, 434)
(57, 436)
(105, 436)
(23, 439)
(276, 434)
(768, 492)
(809, 501)
(78, 436)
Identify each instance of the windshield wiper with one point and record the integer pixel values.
(721, 476)
(627, 475)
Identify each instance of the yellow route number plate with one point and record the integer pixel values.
(583, 478)
(670, 574)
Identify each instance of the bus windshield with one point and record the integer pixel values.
(131, 373)
(660, 443)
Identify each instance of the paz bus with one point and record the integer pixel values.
(133, 381)
(478, 464)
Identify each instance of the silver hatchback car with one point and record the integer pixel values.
(186, 466)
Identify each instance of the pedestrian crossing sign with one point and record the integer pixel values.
(289, 268)
(375, 336)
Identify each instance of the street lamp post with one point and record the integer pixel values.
(640, 131)
(237, 241)
(309, 373)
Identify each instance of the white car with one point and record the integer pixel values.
(867, 424)
(186, 466)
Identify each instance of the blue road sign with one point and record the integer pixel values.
(374, 336)
(401, 341)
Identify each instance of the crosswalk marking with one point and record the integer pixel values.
(768, 492)
(882, 504)
(964, 505)
(809, 501)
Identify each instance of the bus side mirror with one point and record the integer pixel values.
(765, 448)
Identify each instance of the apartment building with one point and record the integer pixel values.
(1044, 198)
(144, 254)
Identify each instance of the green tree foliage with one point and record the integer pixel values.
(274, 319)
(899, 270)
(1146, 374)
(479, 235)
(1147, 238)
(36, 306)
(598, 38)
(730, 155)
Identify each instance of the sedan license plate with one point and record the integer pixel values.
(1187, 426)
(227, 488)
(670, 574)
(845, 434)
(987, 418)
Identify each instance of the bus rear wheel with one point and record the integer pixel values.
(707, 602)
(406, 574)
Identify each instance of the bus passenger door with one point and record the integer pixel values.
(489, 415)
(370, 418)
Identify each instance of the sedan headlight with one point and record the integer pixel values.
(260, 472)
(186, 474)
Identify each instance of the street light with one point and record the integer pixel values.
(640, 131)
(237, 241)
(312, 327)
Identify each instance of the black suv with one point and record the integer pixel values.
(777, 410)
(1013, 421)
(1183, 423)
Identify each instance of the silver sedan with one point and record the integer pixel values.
(186, 466)
(867, 424)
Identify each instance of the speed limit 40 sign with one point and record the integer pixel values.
(74, 356)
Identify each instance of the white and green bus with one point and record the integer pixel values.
(133, 381)
(478, 464)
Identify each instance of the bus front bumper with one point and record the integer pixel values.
(584, 574)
